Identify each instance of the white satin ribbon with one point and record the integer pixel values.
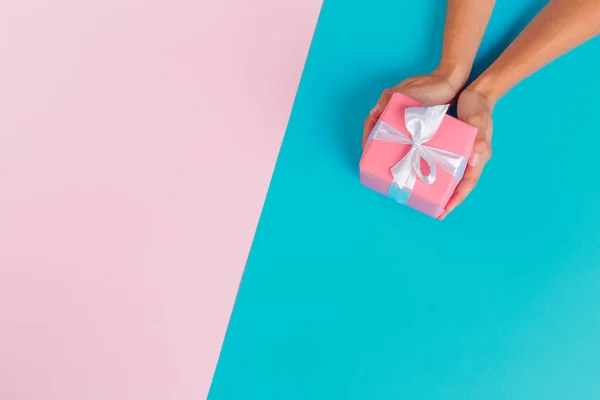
(422, 123)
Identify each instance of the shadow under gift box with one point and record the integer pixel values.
(380, 156)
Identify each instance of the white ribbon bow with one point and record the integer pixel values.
(422, 123)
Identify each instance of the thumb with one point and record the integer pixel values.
(382, 103)
(482, 148)
(482, 152)
(375, 113)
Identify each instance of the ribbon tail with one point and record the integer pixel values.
(404, 172)
(453, 163)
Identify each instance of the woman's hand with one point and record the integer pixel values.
(559, 27)
(475, 109)
(433, 89)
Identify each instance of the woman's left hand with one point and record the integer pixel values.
(475, 109)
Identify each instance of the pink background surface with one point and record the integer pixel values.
(137, 140)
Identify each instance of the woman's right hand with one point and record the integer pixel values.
(434, 89)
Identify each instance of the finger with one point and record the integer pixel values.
(464, 188)
(482, 152)
(482, 149)
(369, 124)
(414, 88)
(427, 92)
(383, 101)
(375, 113)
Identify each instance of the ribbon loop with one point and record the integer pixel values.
(430, 160)
(422, 123)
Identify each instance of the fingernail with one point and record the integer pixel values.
(375, 109)
(442, 216)
(474, 160)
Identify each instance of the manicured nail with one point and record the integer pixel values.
(442, 216)
(474, 160)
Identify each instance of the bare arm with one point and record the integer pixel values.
(466, 21)
(558, 28)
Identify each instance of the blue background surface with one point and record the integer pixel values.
(347, 295)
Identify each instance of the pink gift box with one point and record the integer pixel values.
(380, 156)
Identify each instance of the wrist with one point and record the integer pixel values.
(488, 87)
(455, 73)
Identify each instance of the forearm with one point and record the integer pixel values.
(558, 28)
(466, 21)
